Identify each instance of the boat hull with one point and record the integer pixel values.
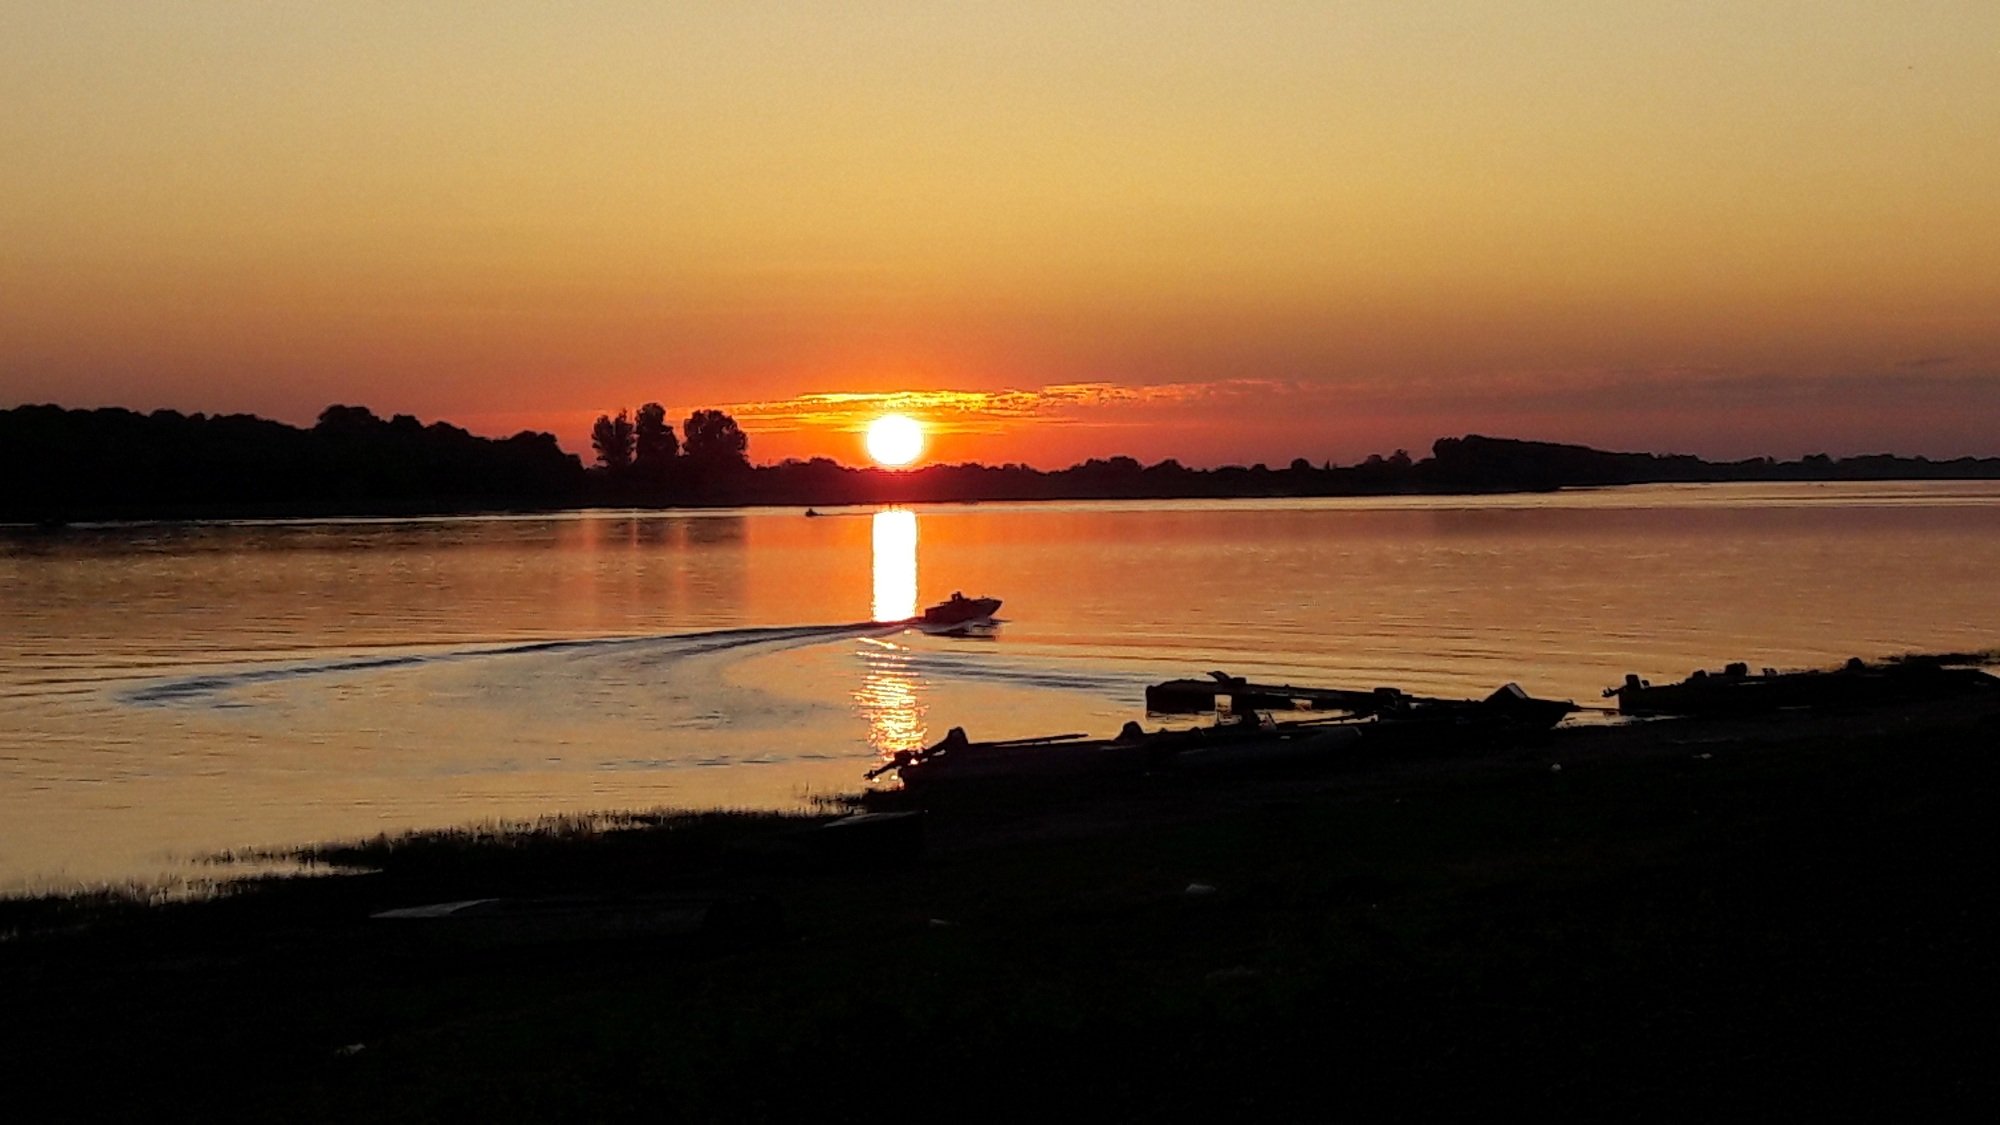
(1735, 691)
(1240, 745)
(957, 612)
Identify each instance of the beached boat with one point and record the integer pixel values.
(1416, 725)
(1245, 743)
(1508, 706)
(1277, 745)
(1382, 720)
(1252, 741)
(956, 757)
(1736, 690)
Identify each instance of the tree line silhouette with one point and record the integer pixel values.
(640, 460)
(60, 465)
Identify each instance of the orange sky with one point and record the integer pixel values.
(1055, 230)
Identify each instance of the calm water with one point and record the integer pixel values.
(167, 691)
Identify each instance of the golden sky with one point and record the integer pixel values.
(1218, 232)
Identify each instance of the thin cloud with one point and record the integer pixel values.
(962, 411)
(1537, 401)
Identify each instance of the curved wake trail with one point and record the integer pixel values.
(209, 687)
(983, 668)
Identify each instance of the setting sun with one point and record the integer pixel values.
(895, 440)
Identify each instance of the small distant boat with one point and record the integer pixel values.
(1738, 691)
(812, 512)
(958, 610)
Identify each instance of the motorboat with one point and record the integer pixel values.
(1365, 723)
(1244, 742)
(1736, 690)
(958, 610)
(1509, 706)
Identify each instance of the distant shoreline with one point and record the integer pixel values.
(60, 467)
(844, 509)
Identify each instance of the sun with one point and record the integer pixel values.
(894, 440)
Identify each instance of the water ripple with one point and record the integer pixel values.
(206, 688)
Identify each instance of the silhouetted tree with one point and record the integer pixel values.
(712, 439)
(655, 446)
(612, 438)
(347, 420)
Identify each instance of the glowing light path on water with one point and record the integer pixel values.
(895, 565)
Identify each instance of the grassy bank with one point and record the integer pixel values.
(1758, 917)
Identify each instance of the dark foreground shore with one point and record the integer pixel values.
(1784, 917)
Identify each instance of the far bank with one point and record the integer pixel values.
(67, 466)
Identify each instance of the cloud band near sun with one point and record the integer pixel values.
(980, 412)
(1660, 409)
(1112, 404)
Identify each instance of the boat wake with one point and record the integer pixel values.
(987, 668)
(212, 688)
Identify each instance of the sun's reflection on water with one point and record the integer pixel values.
(888, 698)
(895, 565)
(887, 695)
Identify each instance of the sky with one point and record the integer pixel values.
(1222, 233)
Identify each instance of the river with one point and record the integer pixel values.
(169, 691)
